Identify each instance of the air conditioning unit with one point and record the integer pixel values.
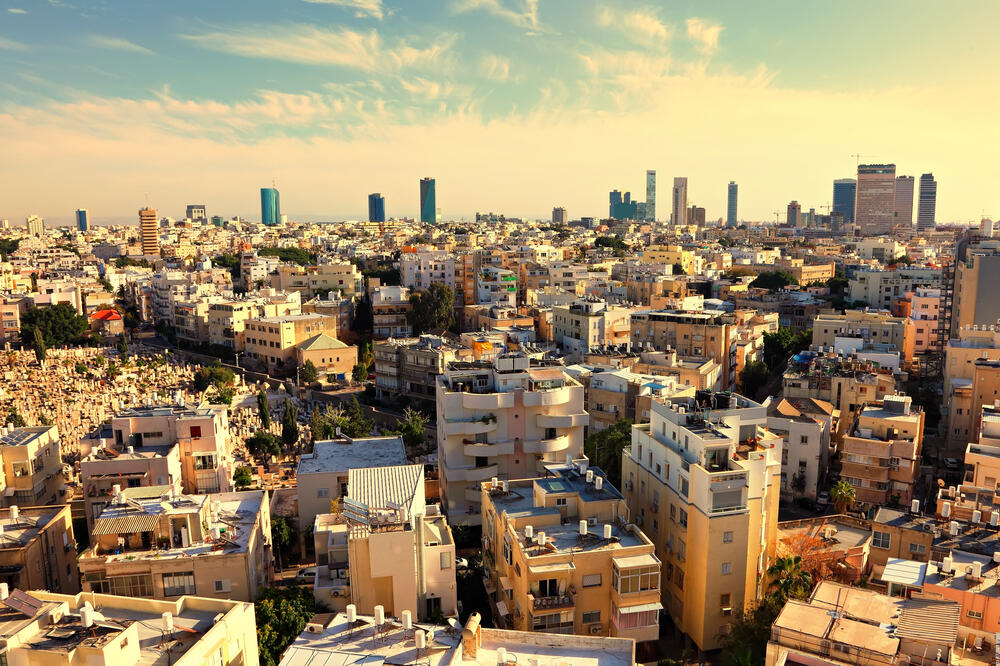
(596, 628)
(727, 611)
(592, 521)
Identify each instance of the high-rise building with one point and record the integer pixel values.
(35, 224)
(650, 195)
(559, 216)
(875, 207)
(196, 213)
(731, 219)
(794, 214)
(844, 190)
(218, 220)
(678, 215)
(148, 231)
(428, 201)
(927, 203)
(696, 215)
(82, 219)
(376, 207)
(904, 201)
(270, 206)
(622, 207)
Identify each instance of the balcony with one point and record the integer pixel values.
(547, 397)
(563, 420)
(560, 443)
(485, 401)
(470, 427)
(551, 604)
(473, 474)
(486, 450)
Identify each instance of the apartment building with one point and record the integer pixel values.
(390, 306)
(104, 468)
(615, 395)
(38, 549)
(272, 341)
(410, 366)
(342, 309)
(419, 269)
(880, 289)
(704, 335)
(385, 513)
(588, 324)
(561, 556)
(505, 419)
(697, 372)
(703, 479)
(845, 382)
(977, 267)
(881, 451)
(855, 330)
(341, 277)
(255, 270)
(962, 353)
(805, 427)
(322, 476)
(691, 263)
(32, 466)
(44, 627)
(227, 318)
(496, 286)
(172, 545)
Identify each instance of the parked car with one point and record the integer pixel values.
(306, 575)
(822, 499)
(951, 464)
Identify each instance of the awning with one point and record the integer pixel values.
(9, 491)
(501, 608)
(646, 560)
(904, 572)
(551, 568)
(505, 583)
(143, 522)
(642, 608)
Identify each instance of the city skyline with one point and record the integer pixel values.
(417, 90)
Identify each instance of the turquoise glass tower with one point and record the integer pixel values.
(270, 206)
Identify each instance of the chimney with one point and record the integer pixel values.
(472, 637)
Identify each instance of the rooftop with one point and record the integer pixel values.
(322, 341)
(29, 523)
(341, 455)
(22, 436)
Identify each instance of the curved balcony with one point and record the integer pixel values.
(471, 427)
(489, 450)
(547, 397)
(484, 401)
(563, 420)
(560, 443)
(474, 474)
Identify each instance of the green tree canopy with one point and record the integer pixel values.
(679, 270)
(753, 378)
(410, 428)
(294, 255)
(309, 373)
(60, 325)
(614, 242)
(783, 344)
(15, 419)
(215, 374)
(432, 309)
(39, 345)
(281, 614)
(263, 444)
(604, 448)
(263, 410)
(774, 280)
(788, 579)
(290, 424)
(842, 493)
(349, 417)
(242, 478)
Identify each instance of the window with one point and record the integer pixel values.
(592, 580)
(223, 585)
(140, 585)
(177, 583)
(560, 501)
(195, 432)
(591, 617)
(205, 461)
(804, 439)
(446, 560)
(322, 492)
(507, 551)
(684, 518)
(727, 537)
(726, 604)
(636, 579)
(880, 540)
(918, 548)
(975, 615)
(727, 568)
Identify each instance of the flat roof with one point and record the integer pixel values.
(341, 455)
(23, 436)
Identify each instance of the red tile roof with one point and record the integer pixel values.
(106, 315)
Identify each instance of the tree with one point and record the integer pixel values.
(263, 409)
(281, 614)
(349, 418)
(357, 423)
(745, 644)
(290, 424)
(283, 535)
(359, 373)
(15, 419)
(604, 448)
(112, 372)
(774, 280)
(213, 375)
(753, 378)
(842, 495)
(432, 309)
(781, 345)
(242, 478)
(60, 325)
(122, 346)
(290, 254)
(788, 579)
(364, 317)
(263, 443)
(411, 428)
(39, 345)
(223, 395)
(678, 269)
(309, 373)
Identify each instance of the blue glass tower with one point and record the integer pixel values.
(376, 207)
(844, 192)
(731, 218)
(270, 206)
(82, 220)
(428, 201)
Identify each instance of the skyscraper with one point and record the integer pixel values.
(927, 203)
(559, 216)
(696, 215)
(731, 219)
(678, 214)
(270, 206)
(428, 201)
(35, 224)
(793, 214)
(622, 208)
(844, 191)
(875, 207)
(82, 219)
(376, 207)
(148, 232)
(650, 195)
(196, 213)
(904, 201)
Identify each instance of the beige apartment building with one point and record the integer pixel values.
(880, 452)
(703, 335)
(32, 466)
(588, 324)
(614, 395)
(111, 630)
(870, 330)
(844, 382)
(386, 547)
(703, 480)
(503, 419)
(343, 277)
(410, 366)
(272, 340)
(561, 556)
(963, 371)
(692, 263)
(390, 306)
(977, 272)
(171, 545)
(227, 318)
(38, 549)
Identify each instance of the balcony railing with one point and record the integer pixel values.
(552, 603)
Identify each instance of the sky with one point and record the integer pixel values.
(514, 106)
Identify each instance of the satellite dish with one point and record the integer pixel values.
(940, 483)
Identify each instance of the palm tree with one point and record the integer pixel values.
(788, 578)
(842, 495)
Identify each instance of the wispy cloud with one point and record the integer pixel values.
(11, 45)
(117, 44)
(644, 25)
(522, 13)
(362, 8)
(309, 45)
(495, 68)
(17, 10)
(705, 35)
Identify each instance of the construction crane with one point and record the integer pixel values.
(858, 156)
(777, 213)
